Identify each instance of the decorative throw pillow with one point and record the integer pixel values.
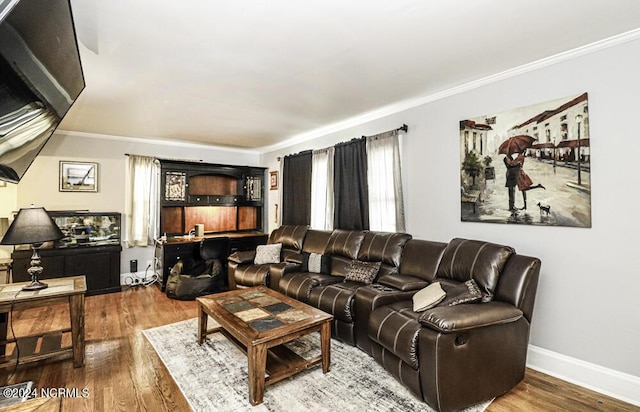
(316, 263)
(363, 272)
(428, 297)
(467, 292)
(267, 254)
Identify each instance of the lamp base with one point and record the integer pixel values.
(35, 285)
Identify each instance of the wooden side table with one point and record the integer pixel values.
(5, 267)
(48, 344)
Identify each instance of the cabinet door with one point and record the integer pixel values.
(53, 268)
(253, 188)
(175, 186)
(94, 266)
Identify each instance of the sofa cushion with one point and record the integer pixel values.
(315, 263)
(466, 292)
(383, 247)
(362, 272)
(267, 254)
(315, 241)
(345, 243)
(420, 258)
(466, 259)
(428, 297)
(291, 236)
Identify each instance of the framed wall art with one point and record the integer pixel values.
(529, 165)
(273, 180)
(78, 177)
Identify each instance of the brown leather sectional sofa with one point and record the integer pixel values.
(449, 356)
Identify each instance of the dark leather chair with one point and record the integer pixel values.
(215, 248)
(243, 272)
(338, 298)
(190, 278)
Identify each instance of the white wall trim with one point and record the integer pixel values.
(412, 103)
(160, 142)
(126, 278)
(607, 381)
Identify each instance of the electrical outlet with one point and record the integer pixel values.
(133, 265)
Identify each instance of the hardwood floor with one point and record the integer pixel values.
(123, 373)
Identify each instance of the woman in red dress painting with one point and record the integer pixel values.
(515, 163)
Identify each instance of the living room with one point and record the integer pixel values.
(585, 324)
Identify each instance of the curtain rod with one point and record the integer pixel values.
(403, 128)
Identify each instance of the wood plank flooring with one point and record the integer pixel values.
(123, 373)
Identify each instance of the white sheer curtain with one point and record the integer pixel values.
(144, 173)
(322, 189)
(386, 206)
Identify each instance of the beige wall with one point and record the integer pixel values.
(39, 186)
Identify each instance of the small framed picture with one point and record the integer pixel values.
(273, 180)
(78, 177)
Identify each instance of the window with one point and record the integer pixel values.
(144, 184)
(322, 189)
(386, 206)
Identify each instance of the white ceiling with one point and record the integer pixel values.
(254, 73)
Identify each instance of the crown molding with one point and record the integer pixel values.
(412, 103)
(389, 109)
(157, 141)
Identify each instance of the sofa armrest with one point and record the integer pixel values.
(277, 270)
(403, 282)
(294, 258)
(463, 317)
(241, 257)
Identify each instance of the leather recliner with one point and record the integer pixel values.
(243, 272)
(449, 356)
(339, 297)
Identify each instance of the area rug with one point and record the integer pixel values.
(214, 376)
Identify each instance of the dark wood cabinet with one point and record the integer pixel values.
(99, 264)
(224, 198)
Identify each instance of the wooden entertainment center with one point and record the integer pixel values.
(223, 198)
(227, 200)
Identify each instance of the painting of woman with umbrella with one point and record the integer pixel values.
(513, 149)
(548, 135)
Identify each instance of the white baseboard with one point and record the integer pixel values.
(607, 381)
(126, 278)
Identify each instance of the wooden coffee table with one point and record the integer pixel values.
(260, 321)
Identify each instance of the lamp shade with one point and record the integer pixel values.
(31, 225)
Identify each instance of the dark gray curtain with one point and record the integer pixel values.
(351, 195)
(296, 189)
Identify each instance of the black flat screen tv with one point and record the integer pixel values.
(40, 78)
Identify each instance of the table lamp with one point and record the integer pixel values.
(32, 226)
